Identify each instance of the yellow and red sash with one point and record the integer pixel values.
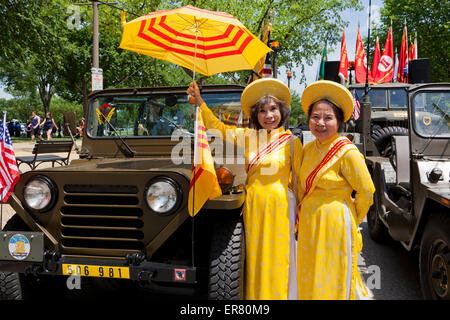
(268, 149)
(333, 155)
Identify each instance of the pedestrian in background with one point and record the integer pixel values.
(49, 125)
(35, 126)
(59, 129)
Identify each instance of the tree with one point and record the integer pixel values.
(33, 60)
(296, 110)
(50, 57)
(429, 18)
(121, 68)
(300, 26)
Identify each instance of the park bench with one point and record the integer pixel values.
(41, 150)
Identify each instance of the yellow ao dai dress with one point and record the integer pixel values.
(266, 208)
(328, 238)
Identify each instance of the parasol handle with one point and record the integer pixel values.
(192, 99)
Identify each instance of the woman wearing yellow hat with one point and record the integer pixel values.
(270, 259)
(328, 218)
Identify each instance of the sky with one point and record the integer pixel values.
(3, 94)
(353, 17)
(334, 52)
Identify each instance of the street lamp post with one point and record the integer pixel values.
(289, 76)
(95, 51)
(275, 45)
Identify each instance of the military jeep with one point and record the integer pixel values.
(120, 210)
(388, 116)
(412, 205)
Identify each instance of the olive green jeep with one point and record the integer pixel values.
(412, 198)
(120, 210)
(389, 115)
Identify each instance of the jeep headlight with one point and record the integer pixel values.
(39, 193)
(163, 195)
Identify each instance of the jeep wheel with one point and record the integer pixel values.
(19, 286)
(382, 139)
(10, 286)
(434, 261)
(11, 283)
(226, 266)
(377, 230)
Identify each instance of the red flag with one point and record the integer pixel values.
(9, 173)
(402, 75)
(361, 62)
(385, 69)
(343, 65)
(376, 59)
(413, 49)
(411, 52)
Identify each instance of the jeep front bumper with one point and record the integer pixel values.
(23, 252)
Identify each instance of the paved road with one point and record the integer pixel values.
(397, 268)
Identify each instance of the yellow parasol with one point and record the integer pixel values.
(204, 41)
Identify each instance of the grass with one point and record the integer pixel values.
(25, 139)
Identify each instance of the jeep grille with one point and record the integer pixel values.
(102, 216)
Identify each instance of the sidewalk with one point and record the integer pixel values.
(25, 149)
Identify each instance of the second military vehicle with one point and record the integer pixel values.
(413, 205)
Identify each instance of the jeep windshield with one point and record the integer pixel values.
(136, 116)
(430, 112)
(383, 98)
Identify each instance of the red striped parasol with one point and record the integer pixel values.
(204, 41)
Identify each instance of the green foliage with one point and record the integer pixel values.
(296, 110)
(429, 18)
(59, 106)
(21, 108)
(51, 55)
(300, 26)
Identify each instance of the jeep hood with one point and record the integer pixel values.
(133, 164)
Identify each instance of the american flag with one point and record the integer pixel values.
(9, 173)
(266, 71)
(357, 107)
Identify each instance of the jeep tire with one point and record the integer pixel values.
(227, 256)
(10, 286)
(434, 258)
(382, 138)
(377, 230)
(11, 283)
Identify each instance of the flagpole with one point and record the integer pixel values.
(195, 156)
(193, 187)
(366, 89)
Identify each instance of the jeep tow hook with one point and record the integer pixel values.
(146, 276)
(135, 259)
(51, 259)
